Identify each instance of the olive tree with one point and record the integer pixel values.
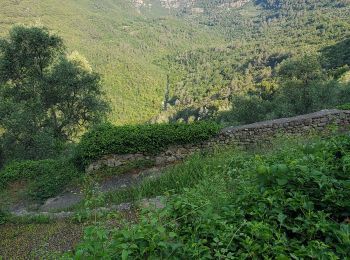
(46, 96)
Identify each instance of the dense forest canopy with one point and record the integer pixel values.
(212, 78)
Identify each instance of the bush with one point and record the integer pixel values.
(289, 204)
(147, 139)
(344, 106)
(46, 178)
(39, 146)
(249, 110)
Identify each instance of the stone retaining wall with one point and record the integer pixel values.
(245, 135)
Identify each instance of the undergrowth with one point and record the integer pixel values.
(46, 178)
(172, 181)
(292, 203)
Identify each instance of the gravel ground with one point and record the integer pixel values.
(37, 241)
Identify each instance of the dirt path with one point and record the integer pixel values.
(73, 197)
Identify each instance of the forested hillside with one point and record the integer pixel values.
(259, 39)
(120, 43)
(210, 50)
(301, 4)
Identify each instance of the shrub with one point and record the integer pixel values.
(46, 178)
(248, 110)
(39, 146)
(148, 139)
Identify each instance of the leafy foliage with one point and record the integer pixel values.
(337, 55)
(46, 178)
(344, 106)
(44, 93)
(120, 43)
(259, 41)
(292, 203)
(149, 139)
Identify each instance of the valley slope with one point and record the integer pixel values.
(209, 49)
(120, 43)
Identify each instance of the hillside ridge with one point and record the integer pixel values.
(191, 6)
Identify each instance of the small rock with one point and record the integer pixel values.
(123, 207)
(171, 159)
(153, 203)
(160, 160)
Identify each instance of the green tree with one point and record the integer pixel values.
(46, 96)
(73, 100)
(250, 109)
(299, 79)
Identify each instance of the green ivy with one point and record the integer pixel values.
(344, 106)
(147, 139)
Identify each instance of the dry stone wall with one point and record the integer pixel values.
(246, 135)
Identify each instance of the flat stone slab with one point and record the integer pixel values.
(149, 203)
(62, 201)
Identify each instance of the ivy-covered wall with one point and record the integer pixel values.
(245, 135)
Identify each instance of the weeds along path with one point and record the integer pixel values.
(64, 205)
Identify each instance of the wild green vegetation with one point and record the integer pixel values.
(300, 86)
(174, 181)
(120, 44)
(47, 99)
(292, 202)
(45, 178)
(146, 139)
